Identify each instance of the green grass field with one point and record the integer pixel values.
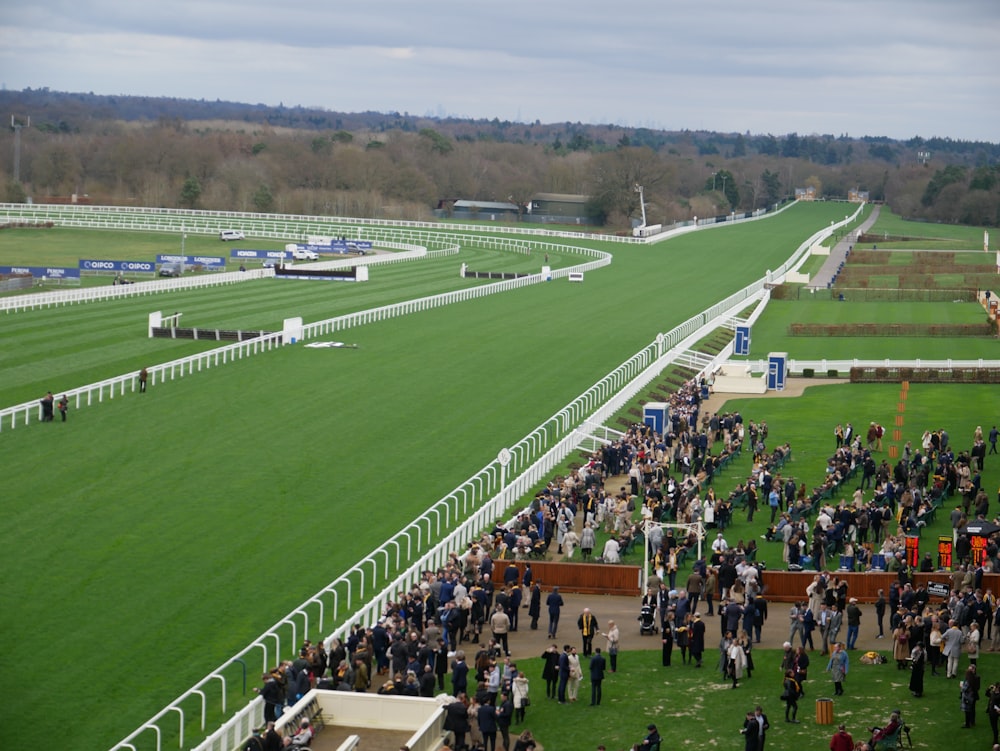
(697, 709)
(259, 480)
(770, 333)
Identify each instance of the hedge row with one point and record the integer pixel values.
(925, 375)
(986, 328)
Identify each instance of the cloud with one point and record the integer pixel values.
(893, 67)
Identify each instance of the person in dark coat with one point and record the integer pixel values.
(697, 637)
(554, 602)
(563, 673)
(488, 726)
(459, 674)
(751, 732)
(272, 695)
(597, 667)
(505, 713)
(535, 604)
(550, 671)
(667, 637)
(918, 659)
(456, 719)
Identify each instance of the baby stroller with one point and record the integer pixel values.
(647, 620)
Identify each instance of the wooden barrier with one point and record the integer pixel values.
(582, 578)
(779, 586)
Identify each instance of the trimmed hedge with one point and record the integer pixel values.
(891, 329)
(925, 375)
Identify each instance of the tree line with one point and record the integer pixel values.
(231, 156)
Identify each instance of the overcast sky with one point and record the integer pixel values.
(896, 68)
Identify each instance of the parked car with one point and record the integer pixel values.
(303, 254)
(171, 269)
(231, 234)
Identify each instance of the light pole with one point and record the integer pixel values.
(713, 180)
(724, 178)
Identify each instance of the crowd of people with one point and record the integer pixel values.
(452, 632)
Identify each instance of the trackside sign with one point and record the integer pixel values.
(136, 267)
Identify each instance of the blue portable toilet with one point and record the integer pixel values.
(656, 416)
(741, 346)
(777, 370)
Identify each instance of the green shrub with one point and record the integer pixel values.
(808, 372)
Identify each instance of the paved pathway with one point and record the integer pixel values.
(838, 254)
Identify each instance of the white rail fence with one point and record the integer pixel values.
(821, 367)
(61, 297)
(298, 227)
(23, 414)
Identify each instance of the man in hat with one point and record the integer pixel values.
(853, 622)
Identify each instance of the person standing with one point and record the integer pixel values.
(667, 639)
(564, 671)
(951, 648)
(459, 674)
(456, 719)
(697, 637)
(550, 671)
(918, 659)
(837, 667)
(790, 694)
(143, 377)
(694, 585)
(575, 675)
(841, 740)
(880, 613)
(488, 726)
(613, 636)
(758, 713)
(970, 695)
(500, 625)
(751, 732)
(587, 624)
(519, 692)
(63, 406)
(554, 603)
(505, 713)
(736, 662)
(853, 623)
(47, 401)
(597, 666)
(993, 709)
(535, 604)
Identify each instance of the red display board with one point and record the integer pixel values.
(944, 549)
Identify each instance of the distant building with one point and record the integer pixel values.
(805, 194)
(923, 156)
(546, 208)
(483, 210)
(857, 196)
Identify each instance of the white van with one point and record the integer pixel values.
(304, 254)
(231, 234)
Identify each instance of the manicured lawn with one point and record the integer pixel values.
(893, 224)
(697, 709)
(770, 332)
